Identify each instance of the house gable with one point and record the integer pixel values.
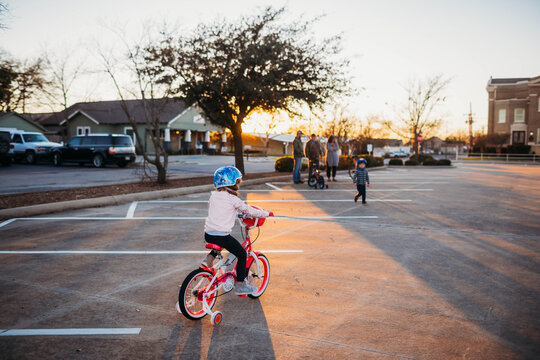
(192, 119)
(14, 120)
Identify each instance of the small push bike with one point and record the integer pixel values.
(201, 288)
(316, 180)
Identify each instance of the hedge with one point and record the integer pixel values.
(442, 162)
(286, 163)
(420, 158)
(411, 162)
(395, 162)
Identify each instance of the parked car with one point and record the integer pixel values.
(398, 154)
(6, 149)
(97, 149)
(30, 146)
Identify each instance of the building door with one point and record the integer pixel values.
(518, 137)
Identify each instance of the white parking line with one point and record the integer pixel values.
(338, 190)
(7, 222)
(273, 200)
(131, 210)
(125, 252)
(89, 218)
(72, 332)
(273, 186)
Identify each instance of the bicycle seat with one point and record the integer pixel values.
(213, 246)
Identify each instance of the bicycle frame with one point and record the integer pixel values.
(221, 275)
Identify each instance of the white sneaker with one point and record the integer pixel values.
(243, 288)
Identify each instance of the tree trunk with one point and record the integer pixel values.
(238, 148)
(415, 134)
(161, 173)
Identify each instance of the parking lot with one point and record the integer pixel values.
(442, 263)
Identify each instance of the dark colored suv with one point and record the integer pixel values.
(96, 149)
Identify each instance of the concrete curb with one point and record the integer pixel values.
(41, 209)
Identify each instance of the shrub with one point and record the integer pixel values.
(371, 161)
(411, 162)
(284, 164)
(344, 162)
(445, 162)
(420, 158)
(395, 162)
(430, 162)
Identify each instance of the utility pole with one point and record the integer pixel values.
(470, 122)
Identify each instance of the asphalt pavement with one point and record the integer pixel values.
(19, 178)
(443, 263)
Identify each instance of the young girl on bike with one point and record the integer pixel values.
(223, 207)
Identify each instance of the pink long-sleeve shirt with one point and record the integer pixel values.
(223, 209)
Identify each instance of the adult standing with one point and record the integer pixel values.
(313, 151)
(332, 157)
(298, 152)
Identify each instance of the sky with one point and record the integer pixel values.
(388, 42)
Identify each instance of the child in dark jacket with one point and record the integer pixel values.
(361, 179)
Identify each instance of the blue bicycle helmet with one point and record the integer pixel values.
(226, 176)
(361, 160)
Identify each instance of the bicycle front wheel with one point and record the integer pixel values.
(190, 297)
(259, 280)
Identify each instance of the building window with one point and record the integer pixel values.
(83, 130)
(502, 116)
(519, 115)
(538, 136)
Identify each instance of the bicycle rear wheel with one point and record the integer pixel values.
(260, 282)
(312, 181)
(190, 297)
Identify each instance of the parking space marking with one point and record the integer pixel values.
(71, 332)
(338, 190)
(273, 186)
(273, 200)
(127, 252)
(89, 218)
(7, 222)
(131, 210)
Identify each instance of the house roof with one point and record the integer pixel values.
(111, 112)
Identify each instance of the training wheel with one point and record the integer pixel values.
(216, 318)
(178, 307)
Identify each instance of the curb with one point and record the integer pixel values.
(41, 209)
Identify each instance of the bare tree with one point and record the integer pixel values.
(233, 69)
(20, 82)
(154, 96)
(423, 97)
(4, 12)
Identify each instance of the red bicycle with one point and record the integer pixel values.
(202, 287)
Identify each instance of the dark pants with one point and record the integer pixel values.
(234, 247)
(361, 191)
(333, 168)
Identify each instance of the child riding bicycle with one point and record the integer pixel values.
(223, 207)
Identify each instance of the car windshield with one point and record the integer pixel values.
(122, 141)
(35, 138)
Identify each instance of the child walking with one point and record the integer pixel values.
(223, 207)
(361, 179)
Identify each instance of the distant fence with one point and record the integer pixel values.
(501, 157)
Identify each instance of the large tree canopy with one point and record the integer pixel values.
(232, 69)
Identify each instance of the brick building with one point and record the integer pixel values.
(514, 109)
